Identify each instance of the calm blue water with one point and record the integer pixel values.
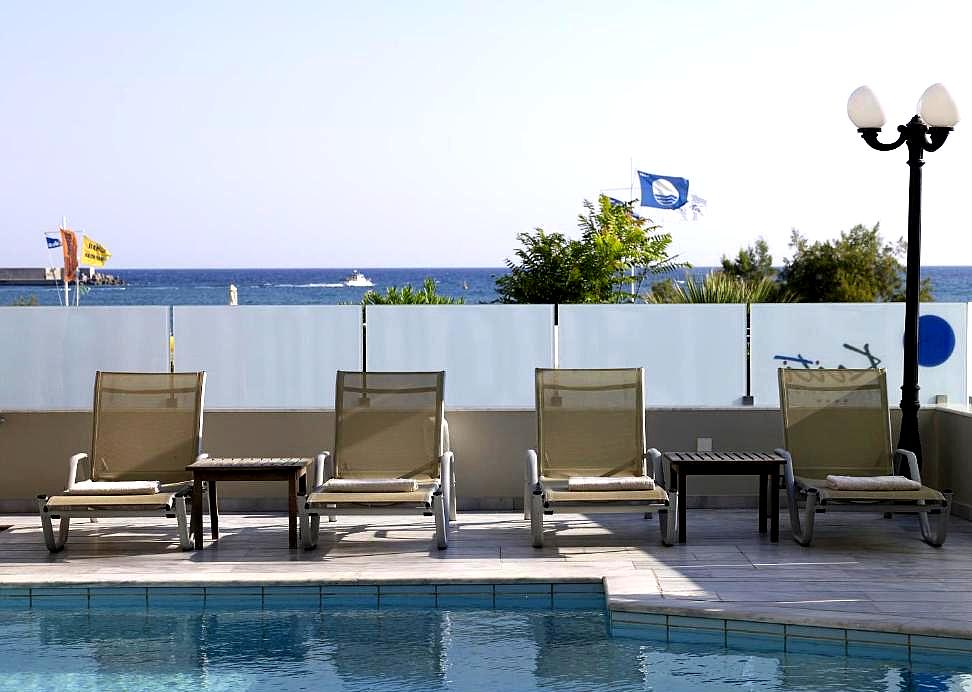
(403, 650)
(323, 286)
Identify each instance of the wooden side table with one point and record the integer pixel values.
(766, 465)
(212, 470)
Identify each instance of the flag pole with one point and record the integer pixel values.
(67, 295)
(630, 198)
(77, 283)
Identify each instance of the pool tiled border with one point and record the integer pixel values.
(751, 635)
(680, 624)
(324, 595)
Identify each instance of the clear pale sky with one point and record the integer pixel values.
(302, 134)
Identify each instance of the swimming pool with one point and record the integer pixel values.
(282, 647)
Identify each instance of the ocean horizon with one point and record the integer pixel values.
(324, 286)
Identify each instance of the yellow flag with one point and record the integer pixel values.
(93, 254)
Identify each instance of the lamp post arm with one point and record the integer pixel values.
(870, 135)
(936, 138)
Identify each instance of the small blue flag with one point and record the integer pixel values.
(663, 191)
(52, 242)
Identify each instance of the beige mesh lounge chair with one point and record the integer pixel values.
(391, 453)
(836, 422)
(591, 428)
(147, 428)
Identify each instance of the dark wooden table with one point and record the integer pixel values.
(766, 465)
(212, 470)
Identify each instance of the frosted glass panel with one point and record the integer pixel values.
(49, 355)
(860, 335)
(489, 352)
(693, 355)
(268, 357)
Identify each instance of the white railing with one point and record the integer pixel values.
(860, 335)
(693, 355)
(268, 357)
(49, 355)
(489, 352)
(285, 357)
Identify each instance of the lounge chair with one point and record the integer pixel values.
(391, 453)
(591, 435)
(836, 422)
(147, 427)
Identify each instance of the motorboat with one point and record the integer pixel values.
(357, 279)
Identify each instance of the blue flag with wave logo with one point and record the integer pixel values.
(663, 191)
(52, 242)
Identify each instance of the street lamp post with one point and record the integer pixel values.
(926, 131)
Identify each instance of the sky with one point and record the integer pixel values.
(391, 134)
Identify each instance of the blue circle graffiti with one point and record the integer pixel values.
(936, 340)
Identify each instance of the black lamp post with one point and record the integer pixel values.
(924, 132)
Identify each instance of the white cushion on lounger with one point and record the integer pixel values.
(609, 483)
(371, 485)
(113, 488)
(872, 483)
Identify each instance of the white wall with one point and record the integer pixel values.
(835, 334)
(693, 355)
(489, 352)
(268, 356)
(49, 355)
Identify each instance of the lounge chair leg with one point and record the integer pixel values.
(310, 528)
(55, 544)
(185, 539)
(453, 503)
(803, 534)
(936, 536)
(666, 522)
(441, 513)
(527, 498)
(331, 517)
(536, 519)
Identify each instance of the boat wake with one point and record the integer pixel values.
(336, 285)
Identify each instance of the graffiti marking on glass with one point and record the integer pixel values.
(808, 363)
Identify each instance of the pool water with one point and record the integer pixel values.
(398, 650)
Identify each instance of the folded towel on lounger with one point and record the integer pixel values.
(610, 483)
(872, 483)
(371, 485)
(113, 488)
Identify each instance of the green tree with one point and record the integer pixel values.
(859, 266)
(406, 295)
(718, 287)
(751, 263)
(617, 250)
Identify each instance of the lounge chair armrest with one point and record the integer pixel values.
(446, 470)
(788, 474)
(531, 471)
(323, 468)
(445, 442)
(912, 460)
(657, 467)
(73, 464)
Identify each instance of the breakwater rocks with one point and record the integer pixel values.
(102, 280)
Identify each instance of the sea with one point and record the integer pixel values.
(325, 286)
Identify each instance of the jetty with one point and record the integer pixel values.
(51, 276)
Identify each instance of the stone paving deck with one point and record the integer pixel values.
(862, 571)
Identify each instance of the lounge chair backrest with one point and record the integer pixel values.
(147, 426)
(836, 421)
(388, 424)
(590, 422)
